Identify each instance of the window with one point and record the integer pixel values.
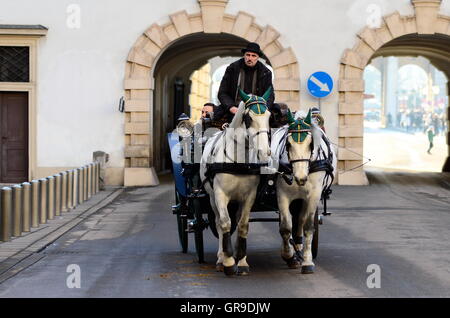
(14, 64)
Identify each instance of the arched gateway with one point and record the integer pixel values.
(155, 45)
(425, 33)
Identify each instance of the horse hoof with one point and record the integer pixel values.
(293, 262)
(243, 270)
(219, 267)
(308, 269)
(230, 270)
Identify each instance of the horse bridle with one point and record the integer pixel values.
(299, 131)
(247, 119)
(247, 125)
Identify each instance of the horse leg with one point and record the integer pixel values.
(308, 264)
(308, 221)
(287, 251)
(311, 202)
(241, 243)
(298, 210)
(224, 230)
(219, 262)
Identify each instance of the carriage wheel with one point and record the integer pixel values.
(182, 226)
(182, 232)
(315, 241)
(199, 245)
(198, 232)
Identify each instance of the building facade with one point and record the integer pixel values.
(83, 56)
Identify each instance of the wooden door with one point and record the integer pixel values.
(13, 137)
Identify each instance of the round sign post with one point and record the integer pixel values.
(320, 85)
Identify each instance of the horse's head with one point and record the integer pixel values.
(256, 119)
(299, 146)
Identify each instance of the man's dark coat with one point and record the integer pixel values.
(227, 94)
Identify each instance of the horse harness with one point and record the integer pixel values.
(258, 106)
(286, 171)
(300, 131)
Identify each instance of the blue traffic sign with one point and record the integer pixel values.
(320, 84)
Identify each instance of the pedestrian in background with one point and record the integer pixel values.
(436, 123)
(430, 133)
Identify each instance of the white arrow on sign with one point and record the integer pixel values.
(323, 86)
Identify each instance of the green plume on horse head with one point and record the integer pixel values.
(257, 104)
(299, 128)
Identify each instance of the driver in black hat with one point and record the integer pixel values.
(250, 75)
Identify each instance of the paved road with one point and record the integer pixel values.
(130, 249)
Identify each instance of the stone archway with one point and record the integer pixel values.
(390, 38)
(142, 59)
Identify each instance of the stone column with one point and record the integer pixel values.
(446, 167)
(390, 89)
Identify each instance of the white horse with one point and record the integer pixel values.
(303, 146)
(250, 125)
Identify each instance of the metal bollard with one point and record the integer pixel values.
(6, 211)
(97, 176)
(93, 179)
(26, 215)
(80, 185)
(94, 173)
(43, 198)
(76, 182)
(17, 210)
(64, 191)
(51, 198)
(89, 181)
(58, 179)
(70, 186)
(35, 185)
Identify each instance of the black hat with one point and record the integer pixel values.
(182, 117)
(252, 47)
(315, 110)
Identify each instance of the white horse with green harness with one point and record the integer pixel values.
(230, 168)
(302, 146)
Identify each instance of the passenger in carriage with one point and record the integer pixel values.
(206, 125)
(251, 76)
(207, 119)
(317, 117)
(207, 109)
(279, 118)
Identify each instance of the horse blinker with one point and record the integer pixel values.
(248, 121)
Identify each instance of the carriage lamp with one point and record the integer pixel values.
(185, 128)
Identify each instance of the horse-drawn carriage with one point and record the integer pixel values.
(220, 194)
